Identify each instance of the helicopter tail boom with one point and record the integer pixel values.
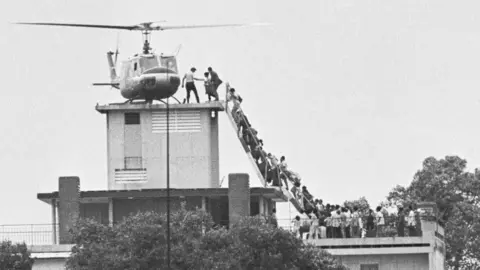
(114, 85)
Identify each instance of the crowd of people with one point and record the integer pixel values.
(335, 221)
(318, 220)
(275, 172)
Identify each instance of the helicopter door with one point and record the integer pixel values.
(136, 68)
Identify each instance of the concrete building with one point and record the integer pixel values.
(136, 145)
(136, 156)
(424, 252)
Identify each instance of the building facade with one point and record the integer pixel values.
(424, 251)
(137, 142)
(137, 158)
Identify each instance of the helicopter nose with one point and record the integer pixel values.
(175, 80)
(149, 82)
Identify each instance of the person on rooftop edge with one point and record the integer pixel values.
(380, 220)
(401, 222)
(370, 222)
(215, 79)
(210, 91)
(190, 86)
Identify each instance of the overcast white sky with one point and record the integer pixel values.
(354, 93)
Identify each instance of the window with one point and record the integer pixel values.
(132, 118)
(133, 163)
(369, 267)
(148, 63)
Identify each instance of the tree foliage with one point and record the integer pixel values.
(457, 195)
(15, 256)
(139, 242)
(361, 203)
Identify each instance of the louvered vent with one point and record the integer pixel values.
(130, 176)
(180, 121)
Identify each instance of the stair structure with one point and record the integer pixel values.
(296, 202)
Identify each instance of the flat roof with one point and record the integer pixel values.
(136, 106)
(98, 195)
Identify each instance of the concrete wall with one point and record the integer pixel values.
(49, 264)
(194, 156)
(388, 262)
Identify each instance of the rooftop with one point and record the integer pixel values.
(214, 105)
(103, 195)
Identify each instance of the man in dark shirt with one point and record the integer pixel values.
(216, 81)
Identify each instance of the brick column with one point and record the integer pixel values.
(238, 197)
(69, 206)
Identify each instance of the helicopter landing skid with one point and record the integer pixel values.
(162, 100)
(177, 100)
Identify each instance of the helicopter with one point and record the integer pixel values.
(146, 76)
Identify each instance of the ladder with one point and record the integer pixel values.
(245, 147)
(287, 193)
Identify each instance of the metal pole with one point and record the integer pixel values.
(168, 184)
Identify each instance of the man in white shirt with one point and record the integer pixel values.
(380, 221)
(355, 223)
(411, 222)
(296, 226)
(190, 86)
(314, 227)
(335, 216)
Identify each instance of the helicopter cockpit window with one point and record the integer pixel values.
(147, 63)
(169, 62)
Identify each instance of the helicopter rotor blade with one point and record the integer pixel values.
(123, 27)
(175, 27)
(148, 26)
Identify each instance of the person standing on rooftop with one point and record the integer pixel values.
(216, 81)
(190, 86)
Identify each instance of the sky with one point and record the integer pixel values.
(355, 94)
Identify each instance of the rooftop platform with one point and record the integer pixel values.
(139, 106)
(380, 245)
(103, 195)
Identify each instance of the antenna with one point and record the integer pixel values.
(116, 51)
(221, 182)
(178, 50)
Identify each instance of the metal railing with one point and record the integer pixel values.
(30, 234)
(48, 234)
(393, 226)
(281, 173)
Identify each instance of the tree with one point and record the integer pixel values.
(361, 203)
(457, 195)
(139, 242)
(15, 256)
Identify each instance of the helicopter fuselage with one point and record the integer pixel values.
(149, 77)
(154, 84)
